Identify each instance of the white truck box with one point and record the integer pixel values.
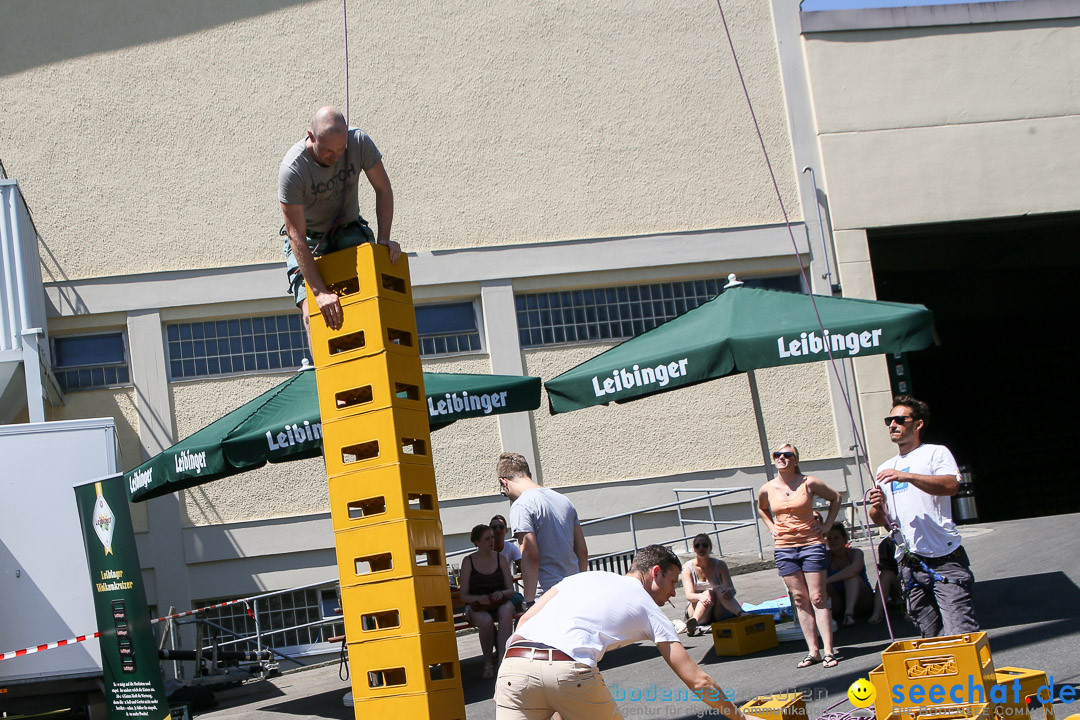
(45, 591)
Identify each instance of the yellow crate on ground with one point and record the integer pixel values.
(1019, 685)
(374, 382)
(789, 706)
(369, 327)
(969, 711)
(381, 437)
(404, 665)
(947, 661)
(364, 272)
(441, 705)
(409, 606)
(390, 551)
(882, 695)
(744, 635)
(383, 494)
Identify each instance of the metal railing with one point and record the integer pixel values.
(702, 495)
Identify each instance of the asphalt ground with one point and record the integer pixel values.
(1027, 596)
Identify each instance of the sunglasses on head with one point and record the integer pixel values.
(783, 454)
(900, 420)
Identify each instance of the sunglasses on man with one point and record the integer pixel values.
(498, 527)
(783, 454)
(900, 420)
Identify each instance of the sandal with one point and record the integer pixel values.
(829, 661)
(810, 660)
(691, 627)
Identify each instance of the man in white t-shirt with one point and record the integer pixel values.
(550, 662)
(546, 526)
(914, 490)
(509, 550)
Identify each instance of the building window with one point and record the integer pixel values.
(240, 345)
(285, 613)
(618, 313)
(85, 362)
(447, 329)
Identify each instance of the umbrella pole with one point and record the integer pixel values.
(755, 396)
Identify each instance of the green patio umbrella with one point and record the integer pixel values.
(283, 424)
(741, 330)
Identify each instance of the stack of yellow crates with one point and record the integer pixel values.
(949, 661)
(399, 620)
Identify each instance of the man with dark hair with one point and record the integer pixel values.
(912, 499)
(550, 664)
(546, 526)
(318, 181)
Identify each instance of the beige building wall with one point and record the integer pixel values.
(568, 145)
(156, 146)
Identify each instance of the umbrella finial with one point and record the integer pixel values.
(732, 282)
(305, 364)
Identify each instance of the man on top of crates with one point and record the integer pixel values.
(318, 182)
(546, 526)
(912, 498)
(550, 662)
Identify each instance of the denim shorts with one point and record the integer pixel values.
(344, 236)
(808, 558)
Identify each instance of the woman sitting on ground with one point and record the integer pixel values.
(709, 590)
(486, 588)
(888, 590)
(849, 588)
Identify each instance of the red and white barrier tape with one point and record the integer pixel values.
(83, 638)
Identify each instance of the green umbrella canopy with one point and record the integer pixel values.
(741, 329)
(283, 424)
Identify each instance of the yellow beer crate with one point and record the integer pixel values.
(1022, 693)
(789, 706)
(369, 327)
(440, 705)
(390, 551)
(380, 437)
(968, 711)
(744, 635)
(882, 694)
(405, 664)
(383, 494)
(409, 606)
(361, 273)
(947, 661)
(373, 382)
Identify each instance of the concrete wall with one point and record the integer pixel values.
(937, 114)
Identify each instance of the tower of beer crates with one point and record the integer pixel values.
(395, 594)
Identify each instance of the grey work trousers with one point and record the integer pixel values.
(940, 608)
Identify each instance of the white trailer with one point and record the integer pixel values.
(45, 591)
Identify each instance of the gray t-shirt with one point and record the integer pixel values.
(302, 181)
(553, 518)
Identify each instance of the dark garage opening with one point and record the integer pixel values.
(1001, 385)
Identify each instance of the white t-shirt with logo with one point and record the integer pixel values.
(925, 520)
(594, 612)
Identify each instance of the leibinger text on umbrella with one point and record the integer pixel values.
(294, 435)
(140, 479)
(454, 404)
(186, 461)
(812, 344)
(623, 379)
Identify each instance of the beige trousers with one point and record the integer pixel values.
(528, 689)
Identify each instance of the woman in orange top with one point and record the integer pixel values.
(786, 506)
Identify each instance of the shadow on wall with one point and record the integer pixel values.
(74, 27)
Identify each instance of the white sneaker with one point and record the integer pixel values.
(680, 626)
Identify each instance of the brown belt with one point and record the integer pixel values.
(537, 653)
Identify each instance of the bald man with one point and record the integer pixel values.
(318, 184)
